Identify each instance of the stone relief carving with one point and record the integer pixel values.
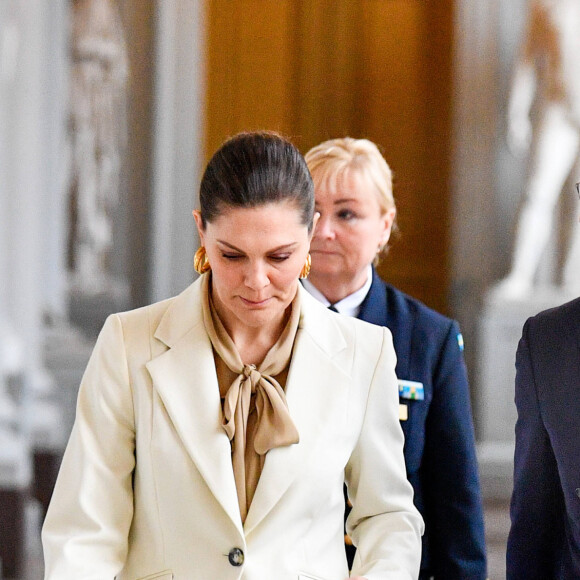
(544, 121)
(98, 129)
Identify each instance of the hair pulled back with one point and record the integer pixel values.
(253, 169)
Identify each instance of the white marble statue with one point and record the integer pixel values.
(544, 117)
(98, 137)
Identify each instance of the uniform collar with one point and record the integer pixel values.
(350, 305)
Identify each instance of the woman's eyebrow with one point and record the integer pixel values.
(277, 249)
(342, 200)
(346, 200)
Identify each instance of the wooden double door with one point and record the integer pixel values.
(318, 69)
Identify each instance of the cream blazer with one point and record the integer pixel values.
(146, 488)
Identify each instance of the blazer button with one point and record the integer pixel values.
(236, 557)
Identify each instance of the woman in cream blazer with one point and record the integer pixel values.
(146, 488)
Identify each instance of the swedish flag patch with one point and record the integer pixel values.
(412, 390)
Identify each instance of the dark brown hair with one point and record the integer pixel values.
(253, 169)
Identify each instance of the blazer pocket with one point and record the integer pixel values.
(165, 575)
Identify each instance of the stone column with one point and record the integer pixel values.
(33, 116)
(479, 219)
(178, 146)
(36, 222)
(15, 461)
(57, 158)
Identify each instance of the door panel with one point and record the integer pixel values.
(317, 69)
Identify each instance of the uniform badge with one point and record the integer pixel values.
(412, 390)
(403, 412)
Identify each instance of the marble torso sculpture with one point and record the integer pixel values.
(546, 81)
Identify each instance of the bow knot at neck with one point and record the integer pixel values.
(250, 372)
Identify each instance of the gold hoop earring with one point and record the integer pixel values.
(306, 268)
(200, 261)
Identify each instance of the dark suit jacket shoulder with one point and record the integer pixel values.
(544, 539)
(439, 438)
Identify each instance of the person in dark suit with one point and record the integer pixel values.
(544, 538)
(353, 191)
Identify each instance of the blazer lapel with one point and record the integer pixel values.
(185, 378)
(374, 307)
(574, 322)
(316, 390)
(385, 306)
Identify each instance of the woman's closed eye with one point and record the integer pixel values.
(279, 257)
(273, 258)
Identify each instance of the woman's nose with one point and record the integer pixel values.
(324, 228)
(257, 276)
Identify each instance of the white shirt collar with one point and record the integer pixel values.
(350, 305)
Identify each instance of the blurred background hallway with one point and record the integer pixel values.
(426, 80)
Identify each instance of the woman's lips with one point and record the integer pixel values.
(325, 252)
(254, 303)
(322, 250)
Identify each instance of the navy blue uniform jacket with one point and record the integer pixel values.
(544, 539)
(439, 439)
